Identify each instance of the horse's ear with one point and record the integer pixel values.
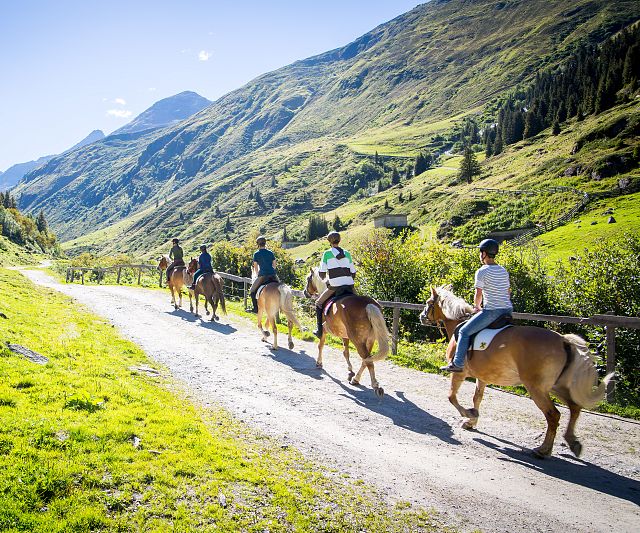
(311, 269)
(433, 292)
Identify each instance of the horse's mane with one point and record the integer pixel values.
(453, 307)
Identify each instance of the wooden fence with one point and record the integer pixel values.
(609, 322)
(102, 271)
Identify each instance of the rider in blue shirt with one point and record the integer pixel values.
(264, 270)
(204, 265)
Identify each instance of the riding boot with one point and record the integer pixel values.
(254, 301)
(319, 321)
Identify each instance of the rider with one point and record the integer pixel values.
(338, 264)
(264, 270)
(204, 265)
(176, 255)
(492, 300)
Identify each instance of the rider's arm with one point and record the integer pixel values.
(255, 267)
(477, 300)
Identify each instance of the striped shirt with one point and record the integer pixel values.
(340, 271)
(494, 282)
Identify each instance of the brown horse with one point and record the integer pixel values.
(180, 278)
(275, 297)
(357, 319)
(209, 285)
(542, 360)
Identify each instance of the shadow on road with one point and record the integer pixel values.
(403, 412)
(300, 362)
(569, 468)
(218, 327)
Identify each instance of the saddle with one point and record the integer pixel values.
(339, 295)
(482, 339)
(261, 287)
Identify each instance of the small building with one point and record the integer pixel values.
(390, 221)
(292, 244)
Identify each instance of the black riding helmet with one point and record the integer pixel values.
(175, 241)
(203, 247)
(490, 247)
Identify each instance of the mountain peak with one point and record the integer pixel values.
(166, 112)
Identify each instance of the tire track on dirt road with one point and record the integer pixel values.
(409, 445)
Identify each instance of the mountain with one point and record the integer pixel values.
(300, 135)
(15, 173)
(166, 112)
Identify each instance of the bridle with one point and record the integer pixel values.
(429, 315)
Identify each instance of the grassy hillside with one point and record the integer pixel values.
(296, 133)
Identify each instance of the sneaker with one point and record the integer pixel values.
(451, 368)
(317, 333)
(251, 310)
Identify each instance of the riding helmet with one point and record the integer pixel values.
(203, 246)
(261, 241)
(489, 246)
(175, 241)
(333, 237)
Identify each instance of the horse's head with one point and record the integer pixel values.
(164, 263)
(193, 266)
(311, 286)
(430, 312)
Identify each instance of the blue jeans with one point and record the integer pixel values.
(476, 323)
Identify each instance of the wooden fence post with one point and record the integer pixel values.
(244, 290)
(139, 275)
(67, 278)
(119, 273)
(394, 329)
(82, 275)
(611, 360)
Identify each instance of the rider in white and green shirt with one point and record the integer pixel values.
(336, 263)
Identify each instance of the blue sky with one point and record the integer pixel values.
(69, 67)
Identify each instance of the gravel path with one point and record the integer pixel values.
(409, 444)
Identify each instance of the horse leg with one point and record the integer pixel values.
(544, 403)
(290, 338)
(274, 328)
(457, 379)
(475, 412)
(197, 301)
(214, 306)
(264, 333)
(320, 346)
(569, 436)
(363, 354)
(190, 300)
(345, 352)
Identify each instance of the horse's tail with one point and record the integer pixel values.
(580, 378)
(286, 304)
(220, 283)
(380, 332)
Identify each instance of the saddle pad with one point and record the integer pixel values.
(483, 338)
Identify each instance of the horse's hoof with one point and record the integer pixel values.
(379, 392)
(215, 317)
(540, 453)
(318, 365)
(469, 426)
(350, 376)
(354, 381)
(266, 333)
(207, 311)
(290, 346)
(576, 448)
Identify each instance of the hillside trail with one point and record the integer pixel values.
(409, 445)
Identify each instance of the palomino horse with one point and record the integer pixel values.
(357, 319)
(272, 298)
(210, 286)
(180, 277)
(542, 360)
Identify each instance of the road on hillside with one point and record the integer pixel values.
(409, 445)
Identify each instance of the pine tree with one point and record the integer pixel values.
(337, 223)
(376, 159)
(250, 197)
(469, 166)
(420, 165)
(386, 204)
(395, 176)
(273, 181)
(41, 223)
(400, 198)
(258, 198)
(216, 211)
(555, 128)
(285, 237)
(227, 225)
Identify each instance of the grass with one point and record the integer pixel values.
(14, 254)
(88, 443)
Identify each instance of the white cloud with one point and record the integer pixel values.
(152, 89)
(204, 55)
(120, 101)
(119, 113)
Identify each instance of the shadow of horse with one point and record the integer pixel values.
(225, 329)
(568, 468)
(401, 411)
(300, 362)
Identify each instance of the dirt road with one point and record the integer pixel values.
(409, 444)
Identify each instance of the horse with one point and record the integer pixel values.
(210, 286)
(180, 277)
(357, 319)
(272, 298)
(540, 359)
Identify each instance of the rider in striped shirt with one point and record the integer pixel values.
(493, 293)
(336, 263)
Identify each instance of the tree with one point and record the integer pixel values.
(337, 223)
(216, 211)
(376, 159)
(41, 223)
(386, 204)
(273, 181)
(400, 198)
(420, 165)
(227, 225)
(316, 227)
(469, 166)
(395, 176)
(555, 129)
(285, 237)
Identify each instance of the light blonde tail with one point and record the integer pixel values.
(380, 332)
(581, 378)
(286, 304)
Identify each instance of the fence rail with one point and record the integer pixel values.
(609, 322)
